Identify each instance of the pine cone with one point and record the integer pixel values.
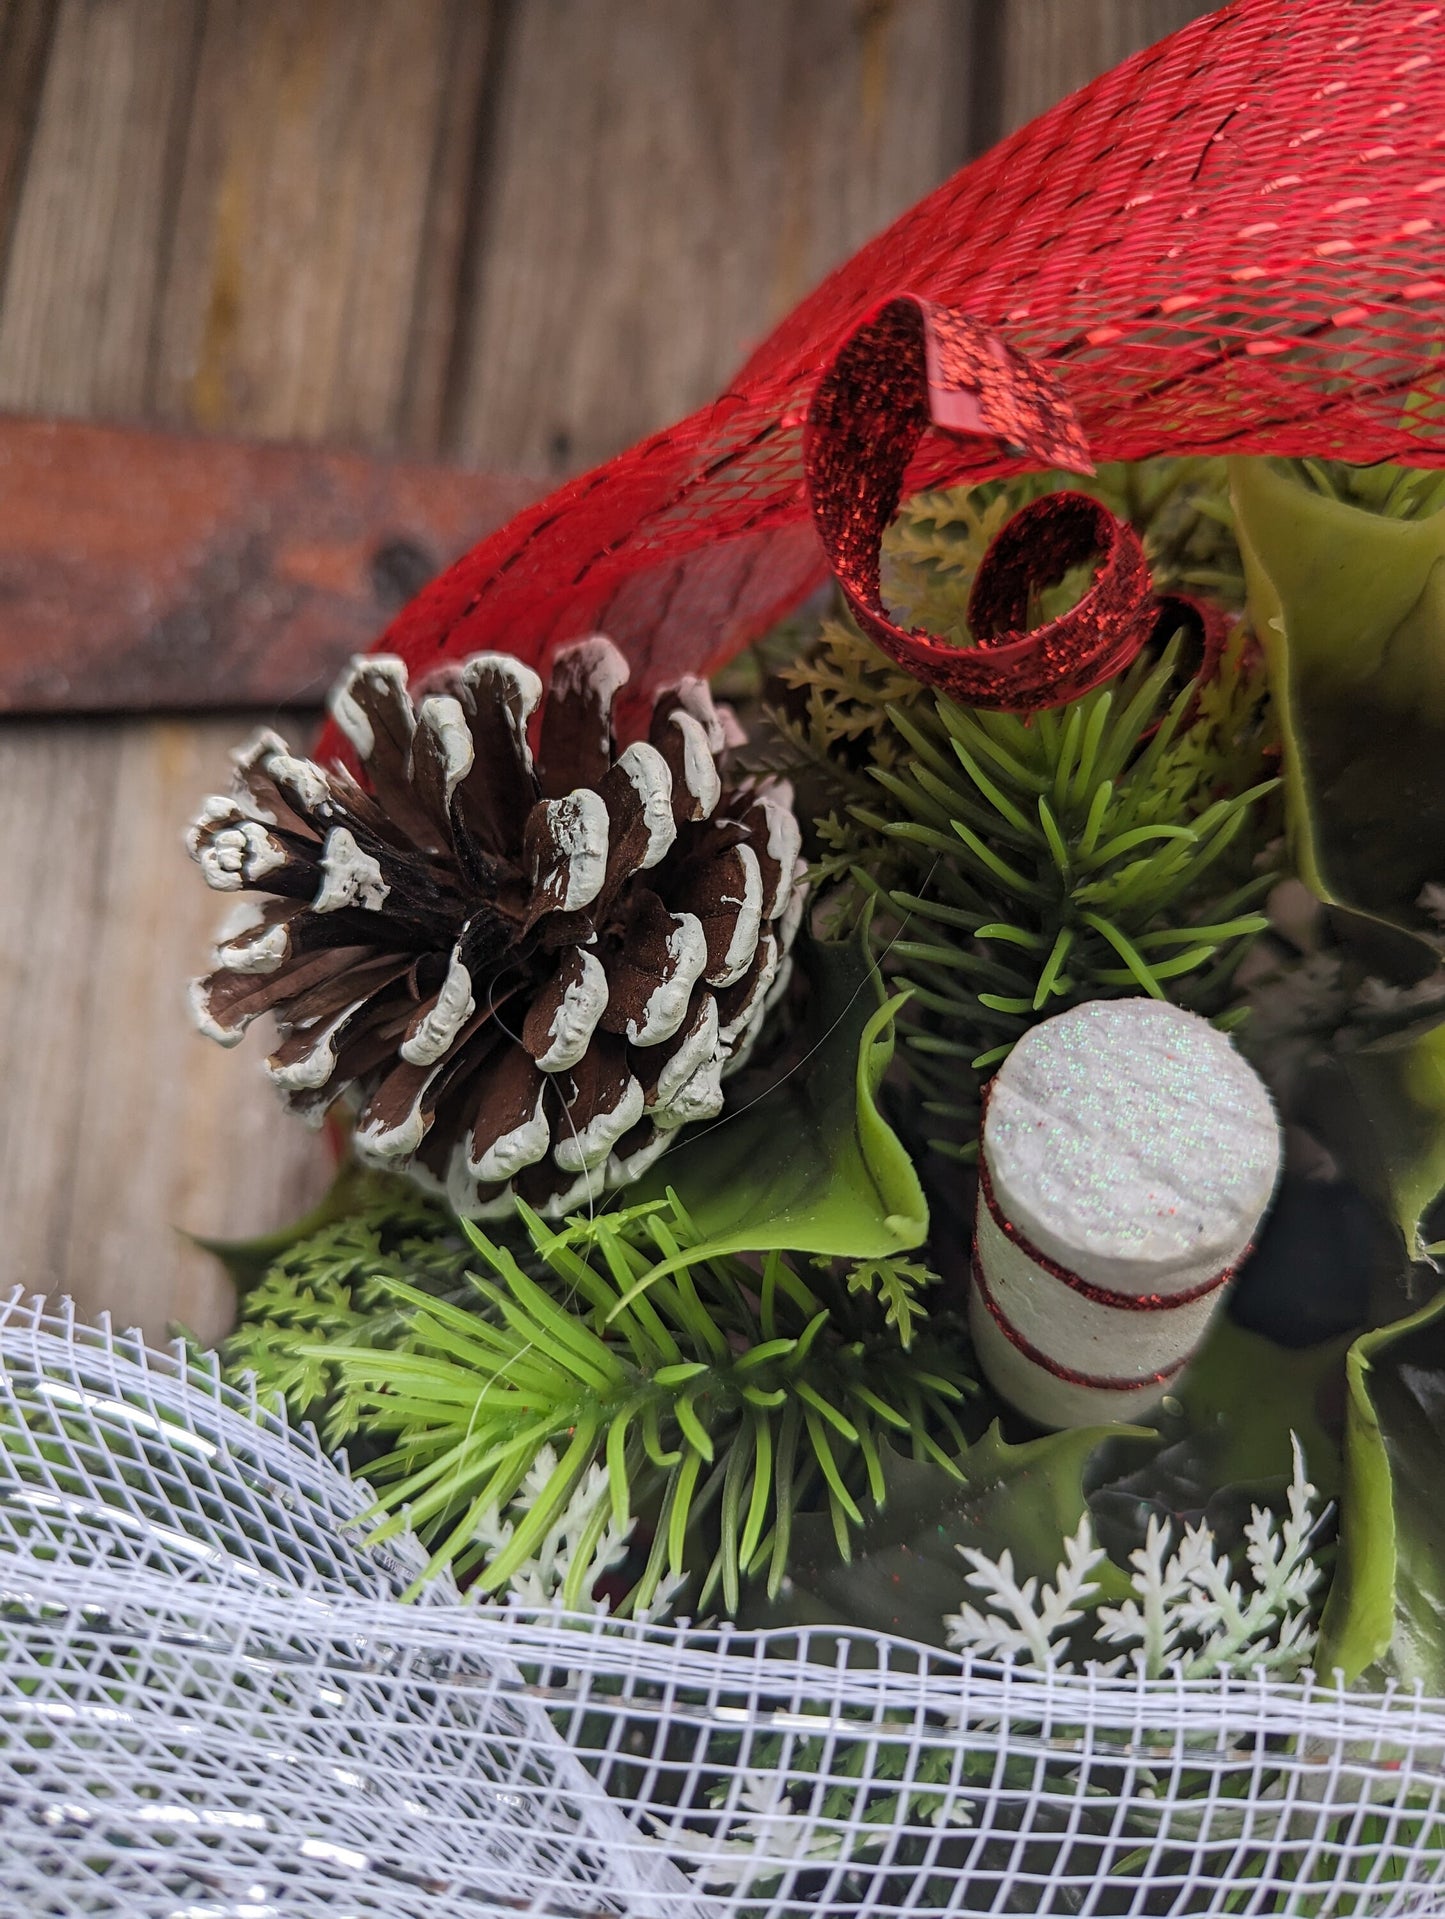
(525, 974)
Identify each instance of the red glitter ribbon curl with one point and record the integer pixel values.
(910, 366)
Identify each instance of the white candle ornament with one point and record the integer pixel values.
(1128, 1156)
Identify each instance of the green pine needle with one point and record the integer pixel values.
(719, 1399)
(328, 1289)
(1013, 867)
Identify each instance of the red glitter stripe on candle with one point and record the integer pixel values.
(1066, 1373)
(1098, 1295)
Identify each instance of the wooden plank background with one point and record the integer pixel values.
(515, 233)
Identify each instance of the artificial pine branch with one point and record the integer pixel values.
(720, 1400)
(328, 1289)
(1015, 867)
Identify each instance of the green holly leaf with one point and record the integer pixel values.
(1350, 608)
(812, 1166)
(1244, 1397)
(1385, 1616)
(906, 1571)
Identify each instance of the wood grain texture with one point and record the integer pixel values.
(25, 30)
(321, 204)
(1036, 51)
(522, 233)
(667, 178)
(146, 571)
(227, 216)
(89, 242)
(120, 1125)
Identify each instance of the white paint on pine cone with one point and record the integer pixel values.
(260, 747)
(701, 1045)
(304, 778)
(350, 877)
(205, 1023)
(743, 1023)
(651, 779)
(668, 1001)
(445, 720)
(785, 843)
(694, 696)
(583, 1150)
(699, 1098)
(314, 1068)
(1132, 1145)
(584, 1001)
(582, 1195)
(376, 669)
(597, 668)
(622, 1169)
(790, 918)
(439, 1026)
(395, 1145)
(232, 848)
(782, 980)
(483, 672)
(747, 922)
(578, 830)
(261, 952)
(514, 1151)
(699, 770)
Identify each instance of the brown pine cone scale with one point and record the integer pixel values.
(525, 970)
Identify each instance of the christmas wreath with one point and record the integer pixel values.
(877, 968)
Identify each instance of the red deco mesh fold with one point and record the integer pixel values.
(1232, 241)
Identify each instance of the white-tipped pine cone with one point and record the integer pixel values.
(525, 973)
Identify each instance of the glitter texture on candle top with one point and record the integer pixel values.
(1131, 1131)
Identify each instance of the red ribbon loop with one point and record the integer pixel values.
(911, 366)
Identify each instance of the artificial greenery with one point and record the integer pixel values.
(721, 1399)
(808, 1163)
(742, 1389)
(1348, 600)
(326, 1287)
(1016, 866)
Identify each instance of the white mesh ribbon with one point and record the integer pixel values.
(214, 1704)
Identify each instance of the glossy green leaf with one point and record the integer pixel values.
(1224, 1442)
(906, 1572)
(1400, 1086)
(812, 1166)
(1350, 608)
(1386, 1611)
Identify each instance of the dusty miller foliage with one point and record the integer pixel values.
(1188, 1610)
(1015, 867)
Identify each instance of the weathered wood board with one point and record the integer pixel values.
(146, 571)
(511, 235)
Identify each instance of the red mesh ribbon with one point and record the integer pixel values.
(1232, 241)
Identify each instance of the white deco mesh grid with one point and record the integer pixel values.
(214, 1705)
